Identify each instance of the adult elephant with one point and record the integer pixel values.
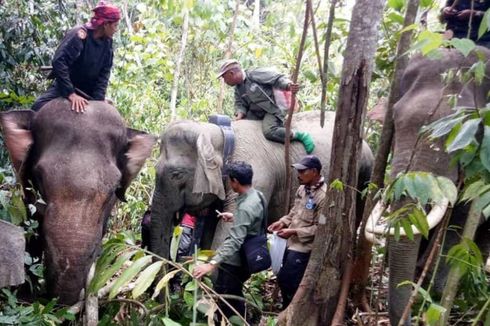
(189, 170)
(425, 97)
(78, 163)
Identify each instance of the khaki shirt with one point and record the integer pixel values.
(247, 220)
(255, 94)
(303, 219)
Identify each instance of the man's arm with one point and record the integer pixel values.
(64, 57)
(103, 79)
(241, 107)
(238, 232)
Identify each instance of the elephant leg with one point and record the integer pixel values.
(402, 258)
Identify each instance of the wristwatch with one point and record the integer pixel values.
(213, 262)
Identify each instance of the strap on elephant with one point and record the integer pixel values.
(224, 122)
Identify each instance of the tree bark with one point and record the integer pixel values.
(363, 251)
(289, 119)
(455, 273)
(317, 296)
(228, 54)
(328, 37)
(175, 86)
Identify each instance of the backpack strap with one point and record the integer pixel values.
(264, 213)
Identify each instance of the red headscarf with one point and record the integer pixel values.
(104, 13)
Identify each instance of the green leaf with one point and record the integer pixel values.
(464, 45)
(164, 282)
(169, 322)
(337, 185)
(483, 201)
(448, 188)
(128, 274)
(396, 4)
(102, 276)
(407, 227)
(465, 136)
(146, 278)
(472, 190)
(434, 313)
(485, 148)
(191, 286)
(419, 220)
(484, 25)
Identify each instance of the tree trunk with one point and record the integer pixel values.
(363, 252)
(316, 299)
(175, 86)
(455, 273)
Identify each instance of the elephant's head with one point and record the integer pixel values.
(424, 99)
(188, 178)
(78, 163)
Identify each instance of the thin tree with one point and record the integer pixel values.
(228, 54)
(180, 58)
(317, 296)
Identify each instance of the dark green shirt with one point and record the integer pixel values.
(247, 220)
(255, 94)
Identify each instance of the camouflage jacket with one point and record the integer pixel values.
(247, 220)
(255, 96)
(304, 217)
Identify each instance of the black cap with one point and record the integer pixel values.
(308, 162)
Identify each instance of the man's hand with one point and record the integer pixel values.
(448, 12)
(293, 87)
(201, 270)
(78, 103)
(239, 116)
(286, 233)
(226, 216)
(276, 226)
(465, 14)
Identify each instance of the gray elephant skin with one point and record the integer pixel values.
(78, 163)
(189, 170)
(424, 100)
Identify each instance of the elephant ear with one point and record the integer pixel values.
(208, 178)
(16, 127)
(138, 149)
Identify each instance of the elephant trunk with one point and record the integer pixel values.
(402, 258)
(163, 213)
(72, 242)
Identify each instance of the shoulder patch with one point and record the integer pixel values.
(82, 34)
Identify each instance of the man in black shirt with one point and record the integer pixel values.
(83, 60)
(458, 13)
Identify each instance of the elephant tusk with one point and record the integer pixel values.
(374, 225)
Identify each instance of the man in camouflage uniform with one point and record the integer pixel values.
(300, 225)
(254, 99)
(247, 221)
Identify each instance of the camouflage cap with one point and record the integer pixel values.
(228, 65)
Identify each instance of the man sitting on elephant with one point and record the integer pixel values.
(299, 226)
(459, 14)
(247, 221)
(254, 99)
(83, 60)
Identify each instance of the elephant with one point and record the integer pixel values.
(425, 99)
(79, 164)
(190, 178)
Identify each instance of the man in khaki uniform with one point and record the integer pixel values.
(299, 226)
(254, 100)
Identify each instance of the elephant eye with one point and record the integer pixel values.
(177, 175)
